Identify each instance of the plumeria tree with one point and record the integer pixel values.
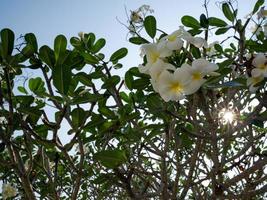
(190, 123)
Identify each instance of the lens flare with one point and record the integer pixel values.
(226, 116)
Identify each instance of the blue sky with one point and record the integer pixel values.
(48, 18)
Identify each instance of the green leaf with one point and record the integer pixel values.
(213, 21)
(150, 24)
(258, 4)
(227, 12)
(60, 45)
(76, 42)
(7, 40)
(111, 82)
(256, 46)
(106, 112)
(24, 100)
(78, 116)
(84, 78)
(22, 90)
(154, 103)
(118, 54)
(194, 32)
(90, 39)
(27, 51)
(190, 21)
(36, 85)
(129, 80)
(218, 48)
(31, 40)
(258, 123)
(204, 22)
(111, 158)
(138, 40)
(140, 83)
(61, 75)
(118, 66)
(87, 97)
(46, 54)
(221, 31)
(98, 45)
(89, 59)
(195, 52)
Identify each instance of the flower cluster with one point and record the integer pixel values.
(137, 18)
(8, 191)
(258, 72)
(170, 82)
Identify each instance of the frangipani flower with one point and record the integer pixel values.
(205, 66)
(260, 64)
(172, 41)
(173, 86)
(156, 71)
(199, 42)
(196, 41)
(8, 191)
(81, 35)
(136, 17)
(252, 81)
(196, 77)
(153, 53)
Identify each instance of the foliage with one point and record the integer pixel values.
(136, 143)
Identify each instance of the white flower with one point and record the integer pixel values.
(136, 17)
(260, 64)
(252, 81)
(196, 77)
(153, 54)
(8, 191)
(184, 34)
(205, 66)
(196, 41)
(156, 71)
(199, 42)
(172, 41)
(145, 8)
(173, 86)
(81, 35)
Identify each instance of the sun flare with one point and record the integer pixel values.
(227, 116)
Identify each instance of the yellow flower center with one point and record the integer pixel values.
(262, 66)
(256, 80)
(264, 12)
(196, 76)
(176, 87)
(172, 38)
(154, 57)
